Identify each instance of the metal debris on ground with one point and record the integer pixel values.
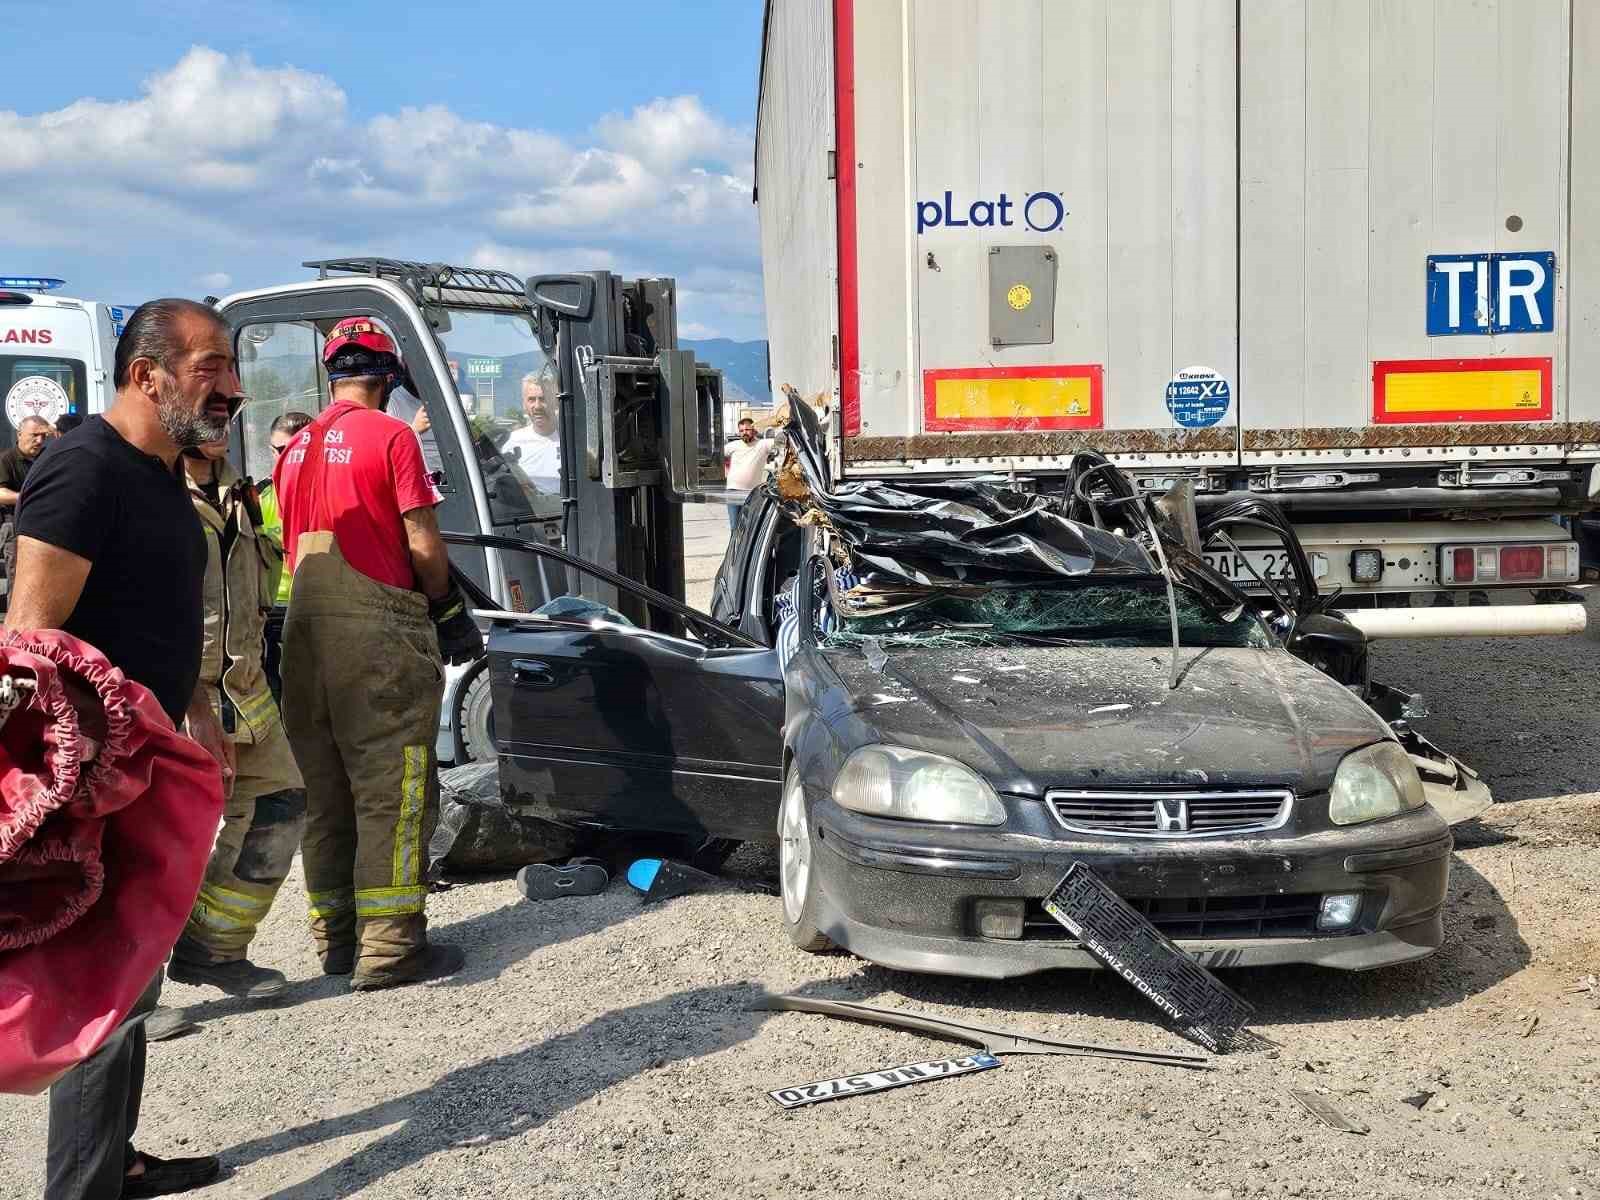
(881, 1081)
(995, 1041)
(1203, 1008)
(1529, 1025)
(1320, 1108)
(1418, 1100)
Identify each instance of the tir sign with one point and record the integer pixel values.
(1491, 293)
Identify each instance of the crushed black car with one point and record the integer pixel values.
(939, 695)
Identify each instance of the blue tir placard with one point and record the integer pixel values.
(1491, 293)
(1198, 397)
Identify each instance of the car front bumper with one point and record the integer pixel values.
(904, 895)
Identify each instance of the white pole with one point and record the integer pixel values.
(1520, 620)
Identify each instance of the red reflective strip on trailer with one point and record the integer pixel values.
(844, 115)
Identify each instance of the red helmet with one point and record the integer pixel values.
(358, 342)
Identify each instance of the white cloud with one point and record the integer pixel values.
(676, 132)
(253, 168)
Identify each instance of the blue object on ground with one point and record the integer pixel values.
(642, 873)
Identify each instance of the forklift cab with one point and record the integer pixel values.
(467, 341)
(639, 428)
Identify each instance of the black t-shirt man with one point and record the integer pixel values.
(94, 494)
(14, 466)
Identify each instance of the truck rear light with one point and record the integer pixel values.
(1366, 565)
(1521, 563)
(1537, 562)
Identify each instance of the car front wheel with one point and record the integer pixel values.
(797, 872)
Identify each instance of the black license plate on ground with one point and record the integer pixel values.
(1203, 1009)
(879, 1081)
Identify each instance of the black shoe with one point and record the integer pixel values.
(542, 881)
(435, 961)
(239, 978)
(163, 1024)
(165, 1176)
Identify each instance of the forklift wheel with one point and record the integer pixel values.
(475, 719)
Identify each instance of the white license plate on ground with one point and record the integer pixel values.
(1272, 564)
(879, 1081)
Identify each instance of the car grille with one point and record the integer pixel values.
(1170, 814)
(1202, 917)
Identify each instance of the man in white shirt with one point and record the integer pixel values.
(536, 447)
(747, 464)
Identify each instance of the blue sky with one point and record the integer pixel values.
(184, 147)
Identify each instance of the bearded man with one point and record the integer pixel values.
(109, 549)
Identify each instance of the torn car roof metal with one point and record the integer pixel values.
(906, 538)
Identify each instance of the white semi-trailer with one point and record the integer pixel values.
(1344, 254)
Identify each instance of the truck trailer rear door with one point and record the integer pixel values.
(1038, 247)
(1403, 231)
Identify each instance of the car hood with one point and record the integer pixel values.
(1030, 718)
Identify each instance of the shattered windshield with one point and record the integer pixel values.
(1124, 612)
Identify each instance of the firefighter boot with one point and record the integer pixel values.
(261, 828)
(396, 951)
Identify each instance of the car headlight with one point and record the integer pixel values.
(887, 781)
(1378, 781)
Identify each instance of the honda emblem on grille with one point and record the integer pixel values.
(1172, 814)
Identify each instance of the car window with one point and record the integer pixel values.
(1127, 612)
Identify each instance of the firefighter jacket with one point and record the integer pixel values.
(242, 567)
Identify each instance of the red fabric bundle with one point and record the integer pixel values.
(107, 818)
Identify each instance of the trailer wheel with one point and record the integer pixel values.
(475, 719)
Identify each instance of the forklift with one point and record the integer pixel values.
(640, 427)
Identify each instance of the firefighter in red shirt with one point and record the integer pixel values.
(372, 613)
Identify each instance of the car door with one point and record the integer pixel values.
(599, 722)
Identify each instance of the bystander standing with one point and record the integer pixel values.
(747, 464)
(109, 550)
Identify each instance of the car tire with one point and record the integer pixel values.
(797, 869)
(475, 720)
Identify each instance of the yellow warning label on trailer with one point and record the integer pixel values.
(1449, 390)
(1044, 397)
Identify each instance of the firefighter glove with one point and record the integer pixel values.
(459, 638)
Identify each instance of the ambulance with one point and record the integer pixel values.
(55, 352)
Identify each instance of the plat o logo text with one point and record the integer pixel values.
(1042, 212)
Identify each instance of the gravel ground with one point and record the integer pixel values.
(595, 1048)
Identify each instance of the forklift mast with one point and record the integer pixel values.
(641, 429)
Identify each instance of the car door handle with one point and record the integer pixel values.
(531, 670)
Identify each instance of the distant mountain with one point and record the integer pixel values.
(743, 366)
